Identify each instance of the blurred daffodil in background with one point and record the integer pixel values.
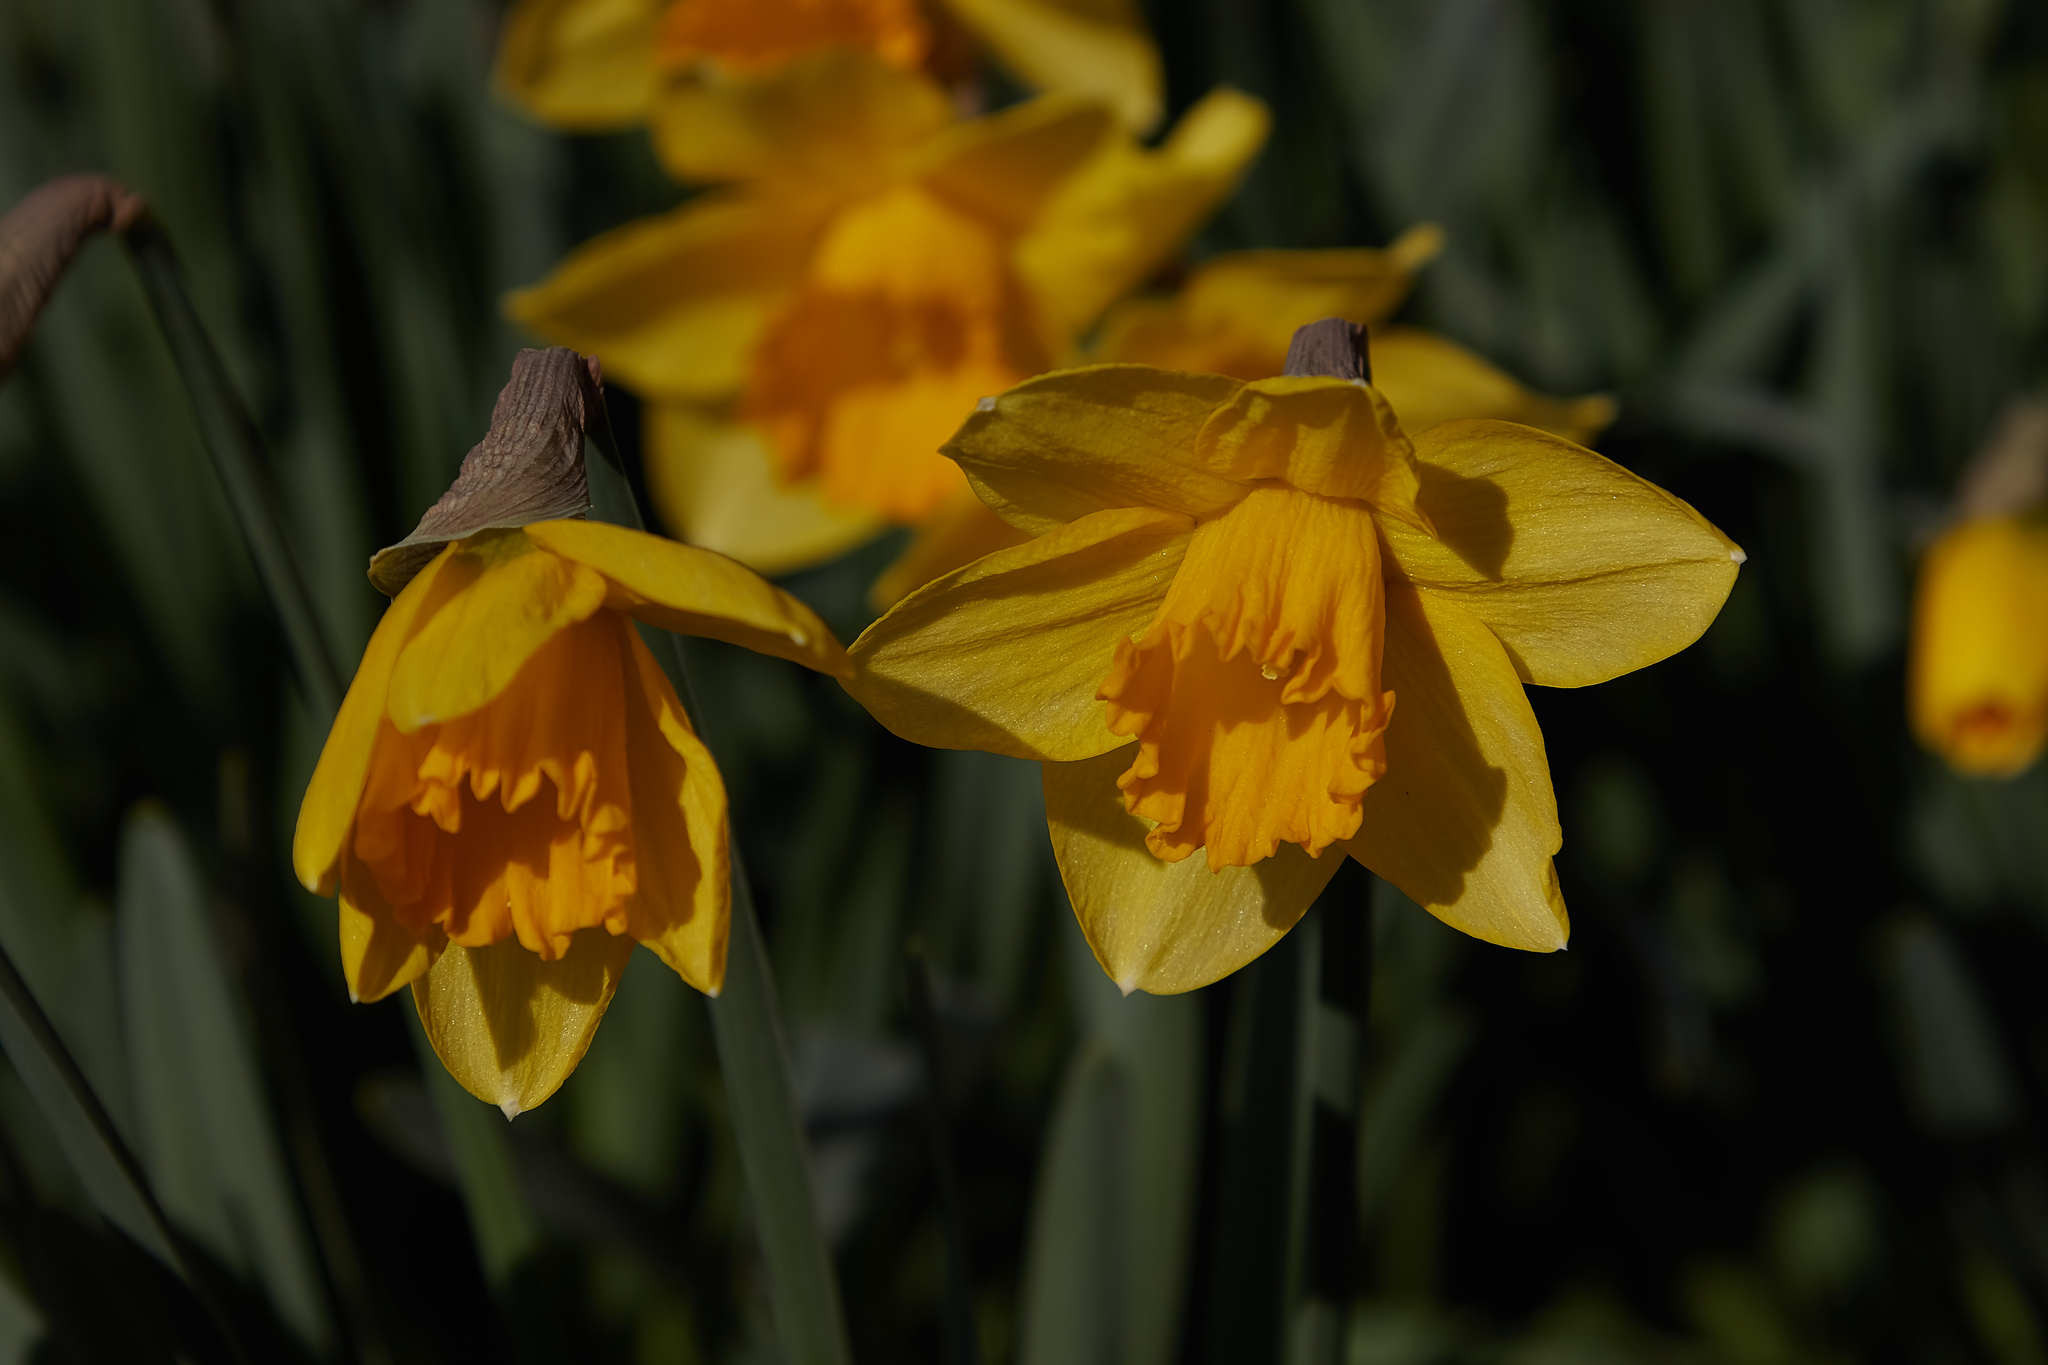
(1978, 677)
(810, 339)
(684, 66)
(1234, 315)
(1257, 626)
(512, 796)
(1980, 645)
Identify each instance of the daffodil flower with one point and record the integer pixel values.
(678, 64)
(855, 301)
(1234, 316)
(1979, 683)
(1257, 628)
(512, 797)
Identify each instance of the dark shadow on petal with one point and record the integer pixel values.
(587, 974)
(1470, 517)
(386, 952)
(1431, 818)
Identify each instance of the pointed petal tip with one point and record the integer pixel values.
(510, 1109)
(1128, 985)
(1418, 246)
(1738, 554)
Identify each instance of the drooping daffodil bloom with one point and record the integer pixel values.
(1234, 315)
(1979, 679)
(808, 340)
(693, 68)
(512, 797)
(1258, 628)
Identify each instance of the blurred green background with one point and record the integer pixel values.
(1781, 1102)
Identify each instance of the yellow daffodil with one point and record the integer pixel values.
(856, 302)
(1257, 628)
(689, 67)
(1234, 316)
(512, 797)
(1237, 312)
(1980, 645)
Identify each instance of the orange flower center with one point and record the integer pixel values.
(743, 35)
(1255, 693)
(514, 820)
(909, 316)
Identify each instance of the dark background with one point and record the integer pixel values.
(1780, 1101)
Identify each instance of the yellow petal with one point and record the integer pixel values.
(510, 1027)
(683, 906)
(1333, 437)
(711, 482)
(694, 592)
(673, 304)
(1006, 654)
(1582, 569)
(1464, 821)
(585, 64)
(497, 603)
(378, 952)
(1237, 313)
(757, 35)
(1005, 167)
(1158, 926)
(1073, 442)
(329, 808)
(838, 119)
(960, 533)
(1131, 209)
(1429, 380)
(1097, 48)
(1979, 684)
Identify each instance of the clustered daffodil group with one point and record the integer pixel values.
(1246, 622)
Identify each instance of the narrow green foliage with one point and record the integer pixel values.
(238, 457)
(1074, 1268)
(104, 1161)
(507, 1233)
(203, 1126)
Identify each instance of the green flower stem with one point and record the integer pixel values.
(239, 459)
(506, 1231)
(1326, 1244)
(68, 1099)
(746, 1026)
(960, 1345)
(1287, 1271)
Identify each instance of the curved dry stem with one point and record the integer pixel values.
(41, 234)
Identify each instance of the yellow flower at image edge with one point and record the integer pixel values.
(512, 797)
(1258, 623)
(610, 63)
(1980, 645)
